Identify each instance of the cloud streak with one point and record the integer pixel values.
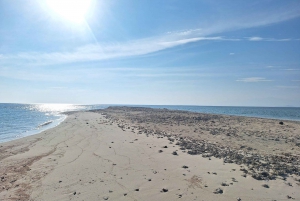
(256, 38)
(97, 52)
(253, 79)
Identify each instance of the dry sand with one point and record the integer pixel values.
(91, 156)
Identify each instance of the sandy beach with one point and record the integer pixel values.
(123, 153)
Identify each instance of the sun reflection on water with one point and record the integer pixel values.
(57, 108)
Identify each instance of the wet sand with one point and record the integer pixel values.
(145, 154)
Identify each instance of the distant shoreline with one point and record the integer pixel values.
(219, 110)
(185, 108)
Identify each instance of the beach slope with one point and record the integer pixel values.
(102, 155)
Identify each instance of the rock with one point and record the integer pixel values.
(160, 151)
(224, 184)
(185, 167)
(105, 197)
(266, 185)
(74, 193)
(137, 189)
(175, 153)
(164, 190)
(281, 123)
(218, 191)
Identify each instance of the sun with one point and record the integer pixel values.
(71, 10)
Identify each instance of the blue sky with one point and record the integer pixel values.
(193, 52)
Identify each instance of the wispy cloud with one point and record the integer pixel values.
(97, 52)
(256, 38)
(291, 69)
(253, 79)
(97, 73)
(288, 87)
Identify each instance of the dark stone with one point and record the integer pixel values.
(266, 185)
(218, 191)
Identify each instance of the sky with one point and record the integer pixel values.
(170, 52)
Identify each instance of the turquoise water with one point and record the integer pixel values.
(21, 120)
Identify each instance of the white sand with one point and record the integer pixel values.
(88, 158)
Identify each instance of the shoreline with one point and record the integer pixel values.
(91, 156)
(38, 129)
(174, 107)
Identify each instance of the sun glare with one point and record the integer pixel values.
(71, 10)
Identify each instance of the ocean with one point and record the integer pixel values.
(21, 120)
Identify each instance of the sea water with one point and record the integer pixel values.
(21, 120)
(282, 113)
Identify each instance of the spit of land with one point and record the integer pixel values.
(133, 153)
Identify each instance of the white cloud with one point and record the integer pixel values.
(231, 53)
(255, 38)
(253, 79)
(97, 52)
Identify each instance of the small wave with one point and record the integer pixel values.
(45, 124)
